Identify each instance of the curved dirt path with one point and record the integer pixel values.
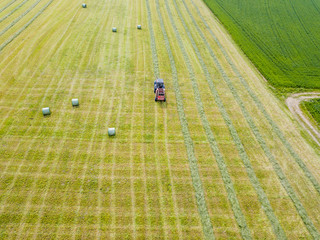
(293, 102)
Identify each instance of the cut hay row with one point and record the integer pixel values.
(232, 196)
(6, 6)
(11, 12)
(18, 18)
(197, 184)
(3, 45)
(277, 168)
(242, 152)
(94, 38)
(260, 106)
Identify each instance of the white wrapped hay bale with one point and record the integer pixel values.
(84, 5)
(111, 131)
(139, 27)
(114, 29)
(75, 102)
(46, 111)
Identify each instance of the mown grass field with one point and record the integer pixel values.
(280, 37)
(223, 158)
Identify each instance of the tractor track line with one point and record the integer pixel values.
(245, 232)
(260, 106)
(6, 6)
(2, 46)
(277, 168)
(196, 181)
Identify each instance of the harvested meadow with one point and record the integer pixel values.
(222, 158)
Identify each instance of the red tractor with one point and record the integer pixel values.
(160, 95)
(159, 90)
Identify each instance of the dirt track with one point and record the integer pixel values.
(293, 102)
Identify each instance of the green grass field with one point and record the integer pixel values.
(222, 158)
(280, 37)
(313, 107)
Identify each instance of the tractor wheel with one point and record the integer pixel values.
(155, 99)
(164, 100)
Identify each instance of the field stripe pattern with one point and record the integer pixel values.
(259, 104)
(302, 212)
(205, 164)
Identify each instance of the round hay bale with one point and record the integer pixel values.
(75, 102)
(111, 131)
(46, 111)
(139, 27)
(114, 29)
(84, 5)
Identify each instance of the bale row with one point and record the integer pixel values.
(46, 111)
(75, 103)
(114, 29)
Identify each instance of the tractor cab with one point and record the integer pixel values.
(158, 84)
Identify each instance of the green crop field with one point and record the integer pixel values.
(313, 107)
(222, 158)
(280, 37)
